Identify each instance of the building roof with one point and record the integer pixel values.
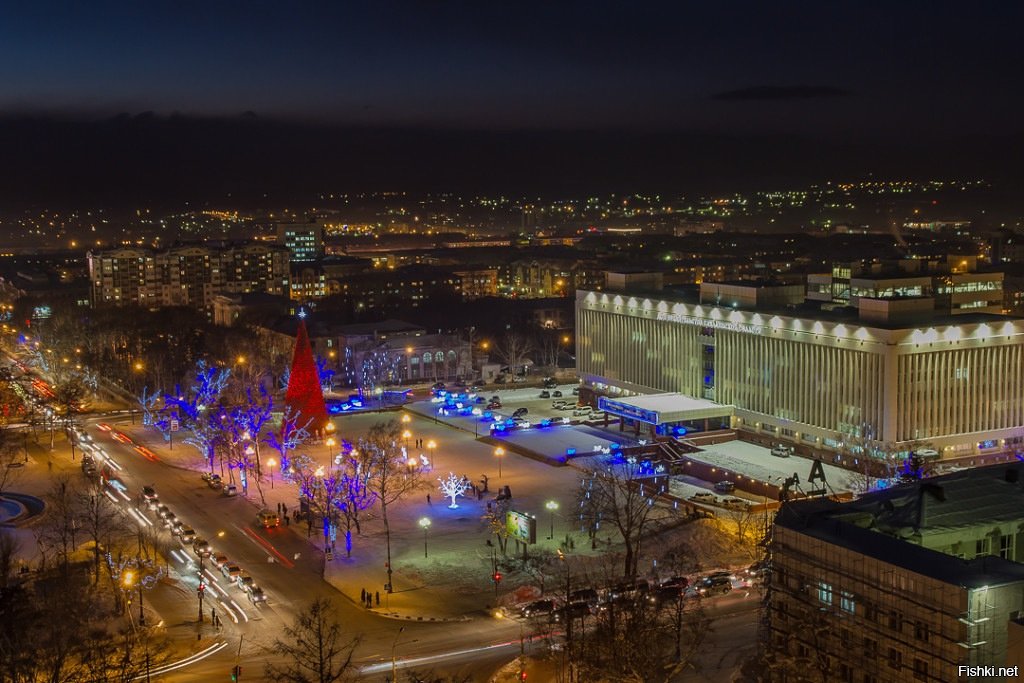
(813, 310)
(662, 408)
(873, 524)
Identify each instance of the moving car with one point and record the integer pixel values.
(519, 412)
(201, 547)
(256, 594)
(545, 394)
(219, 559)
(214, 482)
(714, 585)
(162, 511)
(588, 595)
(244, 581)
(550, 383)
(268, 519)
(664, 594)
(725, 486)
(149, 493)
(230, 570)
(494, 405)
(230, 490)
(186, 533)
(574, 610)
(539, 608)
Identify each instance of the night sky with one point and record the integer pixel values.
(126, 100)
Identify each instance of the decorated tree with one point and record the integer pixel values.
(149, 402)
(196, 409)
(246, 423)
(453, 486)
(294, 432)
(356, 497)
(304, 394)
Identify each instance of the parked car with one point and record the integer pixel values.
(556, 393)
(704, 497)
(735, 503)
(219, 560)
(268, 519)
(582, 410)
(545, 394)
(631, 588)
(162, 511)
(494, 405)
(588, 595)
(550, 383)
(214, 482)
(187, 534)
(519, 412)
(714, 585)
(230, 570)
(725, 486)
(539, 608)
(245, 581)
(558, 405)
(575, 391)
(676, 582)
(664, 594)
(201, 547)
(574, 610)
(171, 521)
(230, 490)
(781, 451)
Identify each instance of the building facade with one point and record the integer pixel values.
(305, 241)
(822, 378)
(185, 276)
(856, 595)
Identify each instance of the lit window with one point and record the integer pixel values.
(847, 603)
(825, 592)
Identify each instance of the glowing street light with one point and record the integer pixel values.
(430, 449)
(498, 453)
(551, 505)
(425, 523)
(270, 464)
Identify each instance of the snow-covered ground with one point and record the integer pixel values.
(752, 460)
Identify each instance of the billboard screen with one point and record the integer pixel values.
(521, 526)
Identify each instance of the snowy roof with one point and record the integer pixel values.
(662, 408)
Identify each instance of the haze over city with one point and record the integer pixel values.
(451, 342)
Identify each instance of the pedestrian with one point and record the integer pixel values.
(362, 595)
(377, 595)
(49, 465)
(287, 520)
(278, 508)
(428, 500)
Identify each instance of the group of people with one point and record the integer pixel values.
(282, 511)
(367, 598)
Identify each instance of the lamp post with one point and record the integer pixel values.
(551, 505)
(498, 453)
(425, 523)
(394, 662)
(270, 464)
(430, 449)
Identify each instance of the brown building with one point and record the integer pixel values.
(907, 584)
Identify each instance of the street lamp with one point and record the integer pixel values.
(128, 580)
(430, 449)
(498, 452)
(405, 435)
(270, 464)
(425, 523)
(412, 462)
(551, 506)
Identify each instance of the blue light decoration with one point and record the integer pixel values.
(679, 430)
(570, 451)
(987, 444)
(616, 446)
(546, 422)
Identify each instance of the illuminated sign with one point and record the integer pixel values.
(626, 410)
(521, 526)
(710, 322)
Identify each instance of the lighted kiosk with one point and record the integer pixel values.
(669, 414)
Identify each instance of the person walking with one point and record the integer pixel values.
(428, 500)
(377, 595)
(362, 595)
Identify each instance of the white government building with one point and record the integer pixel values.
(891, 374)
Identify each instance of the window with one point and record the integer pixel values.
(870, 648)
(921, 631)
(895, 620)
(895, 658)
(847, 603)
(920, 669)
(982, 546)
(825, 592)
(1006, 547)
(845, 673)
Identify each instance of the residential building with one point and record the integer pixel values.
(478, 282)
(305, 241)
(906, 584)
(186, 275)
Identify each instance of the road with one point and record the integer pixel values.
(288, 568)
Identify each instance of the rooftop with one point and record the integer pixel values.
(872, 524)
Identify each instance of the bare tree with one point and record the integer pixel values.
(316, 648)
(101, 521)
(620, 495)
(388, 475)
(10, 465)
(9, 548)
(513, 349)
(495, 520)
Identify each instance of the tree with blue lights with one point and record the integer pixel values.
(356, 496)
(245, 424)
(293, 433)
(149, 402)
(197, 410)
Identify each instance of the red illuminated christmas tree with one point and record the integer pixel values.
(305, 394)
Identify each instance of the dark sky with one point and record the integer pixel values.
(534, 95)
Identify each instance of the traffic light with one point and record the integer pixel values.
(522, 675)
(496, 577)
(236, 672)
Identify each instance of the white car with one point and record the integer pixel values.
(781, 451)
(582, 410)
